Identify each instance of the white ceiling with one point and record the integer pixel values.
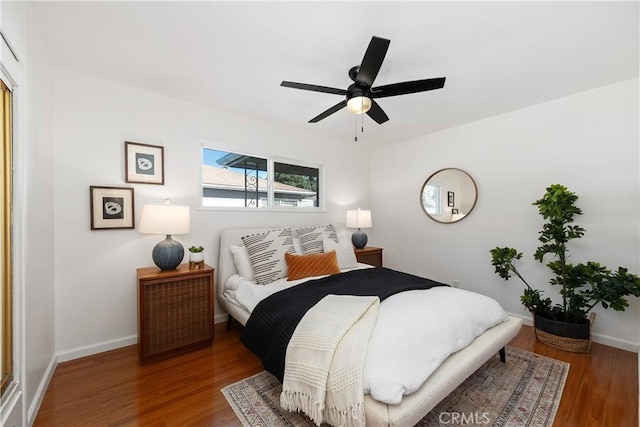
(497, 57)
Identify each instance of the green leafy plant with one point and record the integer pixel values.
(582, 286)
(196, 249)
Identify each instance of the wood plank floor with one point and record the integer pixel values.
(112, 389)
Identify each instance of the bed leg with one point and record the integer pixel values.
(503, 356)
(229, 320)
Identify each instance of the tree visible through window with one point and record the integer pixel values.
(243, 181)
(295, 185)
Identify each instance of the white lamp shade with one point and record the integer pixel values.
(359, 219)
(164, 219)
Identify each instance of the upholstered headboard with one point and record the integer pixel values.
(226, 266)
(233, 237)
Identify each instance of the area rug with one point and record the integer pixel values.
(524, 392)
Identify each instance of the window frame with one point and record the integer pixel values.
(271, 160)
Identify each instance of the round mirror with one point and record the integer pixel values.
(448, 195)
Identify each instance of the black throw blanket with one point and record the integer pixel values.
(273, 321)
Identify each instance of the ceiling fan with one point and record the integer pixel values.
(359, 97)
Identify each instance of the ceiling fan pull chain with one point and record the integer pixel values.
(355, 129)
(362, 117)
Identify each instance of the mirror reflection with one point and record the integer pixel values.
(448, 195)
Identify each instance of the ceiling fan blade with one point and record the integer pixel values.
(405, 88)
(329, 112)
(376, 113)
(372, 60)
(314, 88)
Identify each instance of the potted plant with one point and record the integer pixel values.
(583, 286)
(196, 254)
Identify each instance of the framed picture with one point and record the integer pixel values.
(454, 211)
(143, 163)
(450, 199)
(111, 207)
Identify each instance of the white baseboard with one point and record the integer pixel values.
(599, 338)
(11, 406)
(526, 320)
(615, 342)
(65, 356)
(42, 389)
(88, 350)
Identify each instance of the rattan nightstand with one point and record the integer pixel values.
(369, 255)
(175, 311)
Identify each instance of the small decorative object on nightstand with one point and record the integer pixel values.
(196, 265)
(196, 257)
(369, 255)
(175, 311)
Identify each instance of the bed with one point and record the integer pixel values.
(414, 406)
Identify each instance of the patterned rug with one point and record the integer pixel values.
(524, 392)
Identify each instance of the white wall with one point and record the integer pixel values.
(588, 142)
(38, 160)
(96, 270)
(34, 352)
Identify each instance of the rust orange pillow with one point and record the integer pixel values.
(301, 266)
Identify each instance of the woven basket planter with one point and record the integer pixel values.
(574, 337)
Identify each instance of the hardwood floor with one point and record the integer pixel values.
(112, 389)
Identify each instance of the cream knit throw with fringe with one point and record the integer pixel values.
(325, 360)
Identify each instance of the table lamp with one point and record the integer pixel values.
(359, 219)
(165, 219)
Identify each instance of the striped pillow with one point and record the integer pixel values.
(344, 252)
(301, 266)
(311, 238)
(266, 253)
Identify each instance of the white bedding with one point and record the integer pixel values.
(414, 333)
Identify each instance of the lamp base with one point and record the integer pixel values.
(167, 254)
(359, 239)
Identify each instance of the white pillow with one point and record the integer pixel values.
(344, 252)
(266, 253)
(311, 238)
(297, 246)
(241, 260)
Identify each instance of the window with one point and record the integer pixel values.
(235, 180)
(295, 185)
(431, 199)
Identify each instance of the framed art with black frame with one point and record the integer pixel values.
(111, 207)
(143, 163)
(450, 199)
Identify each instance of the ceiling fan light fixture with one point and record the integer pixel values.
(359, 104)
